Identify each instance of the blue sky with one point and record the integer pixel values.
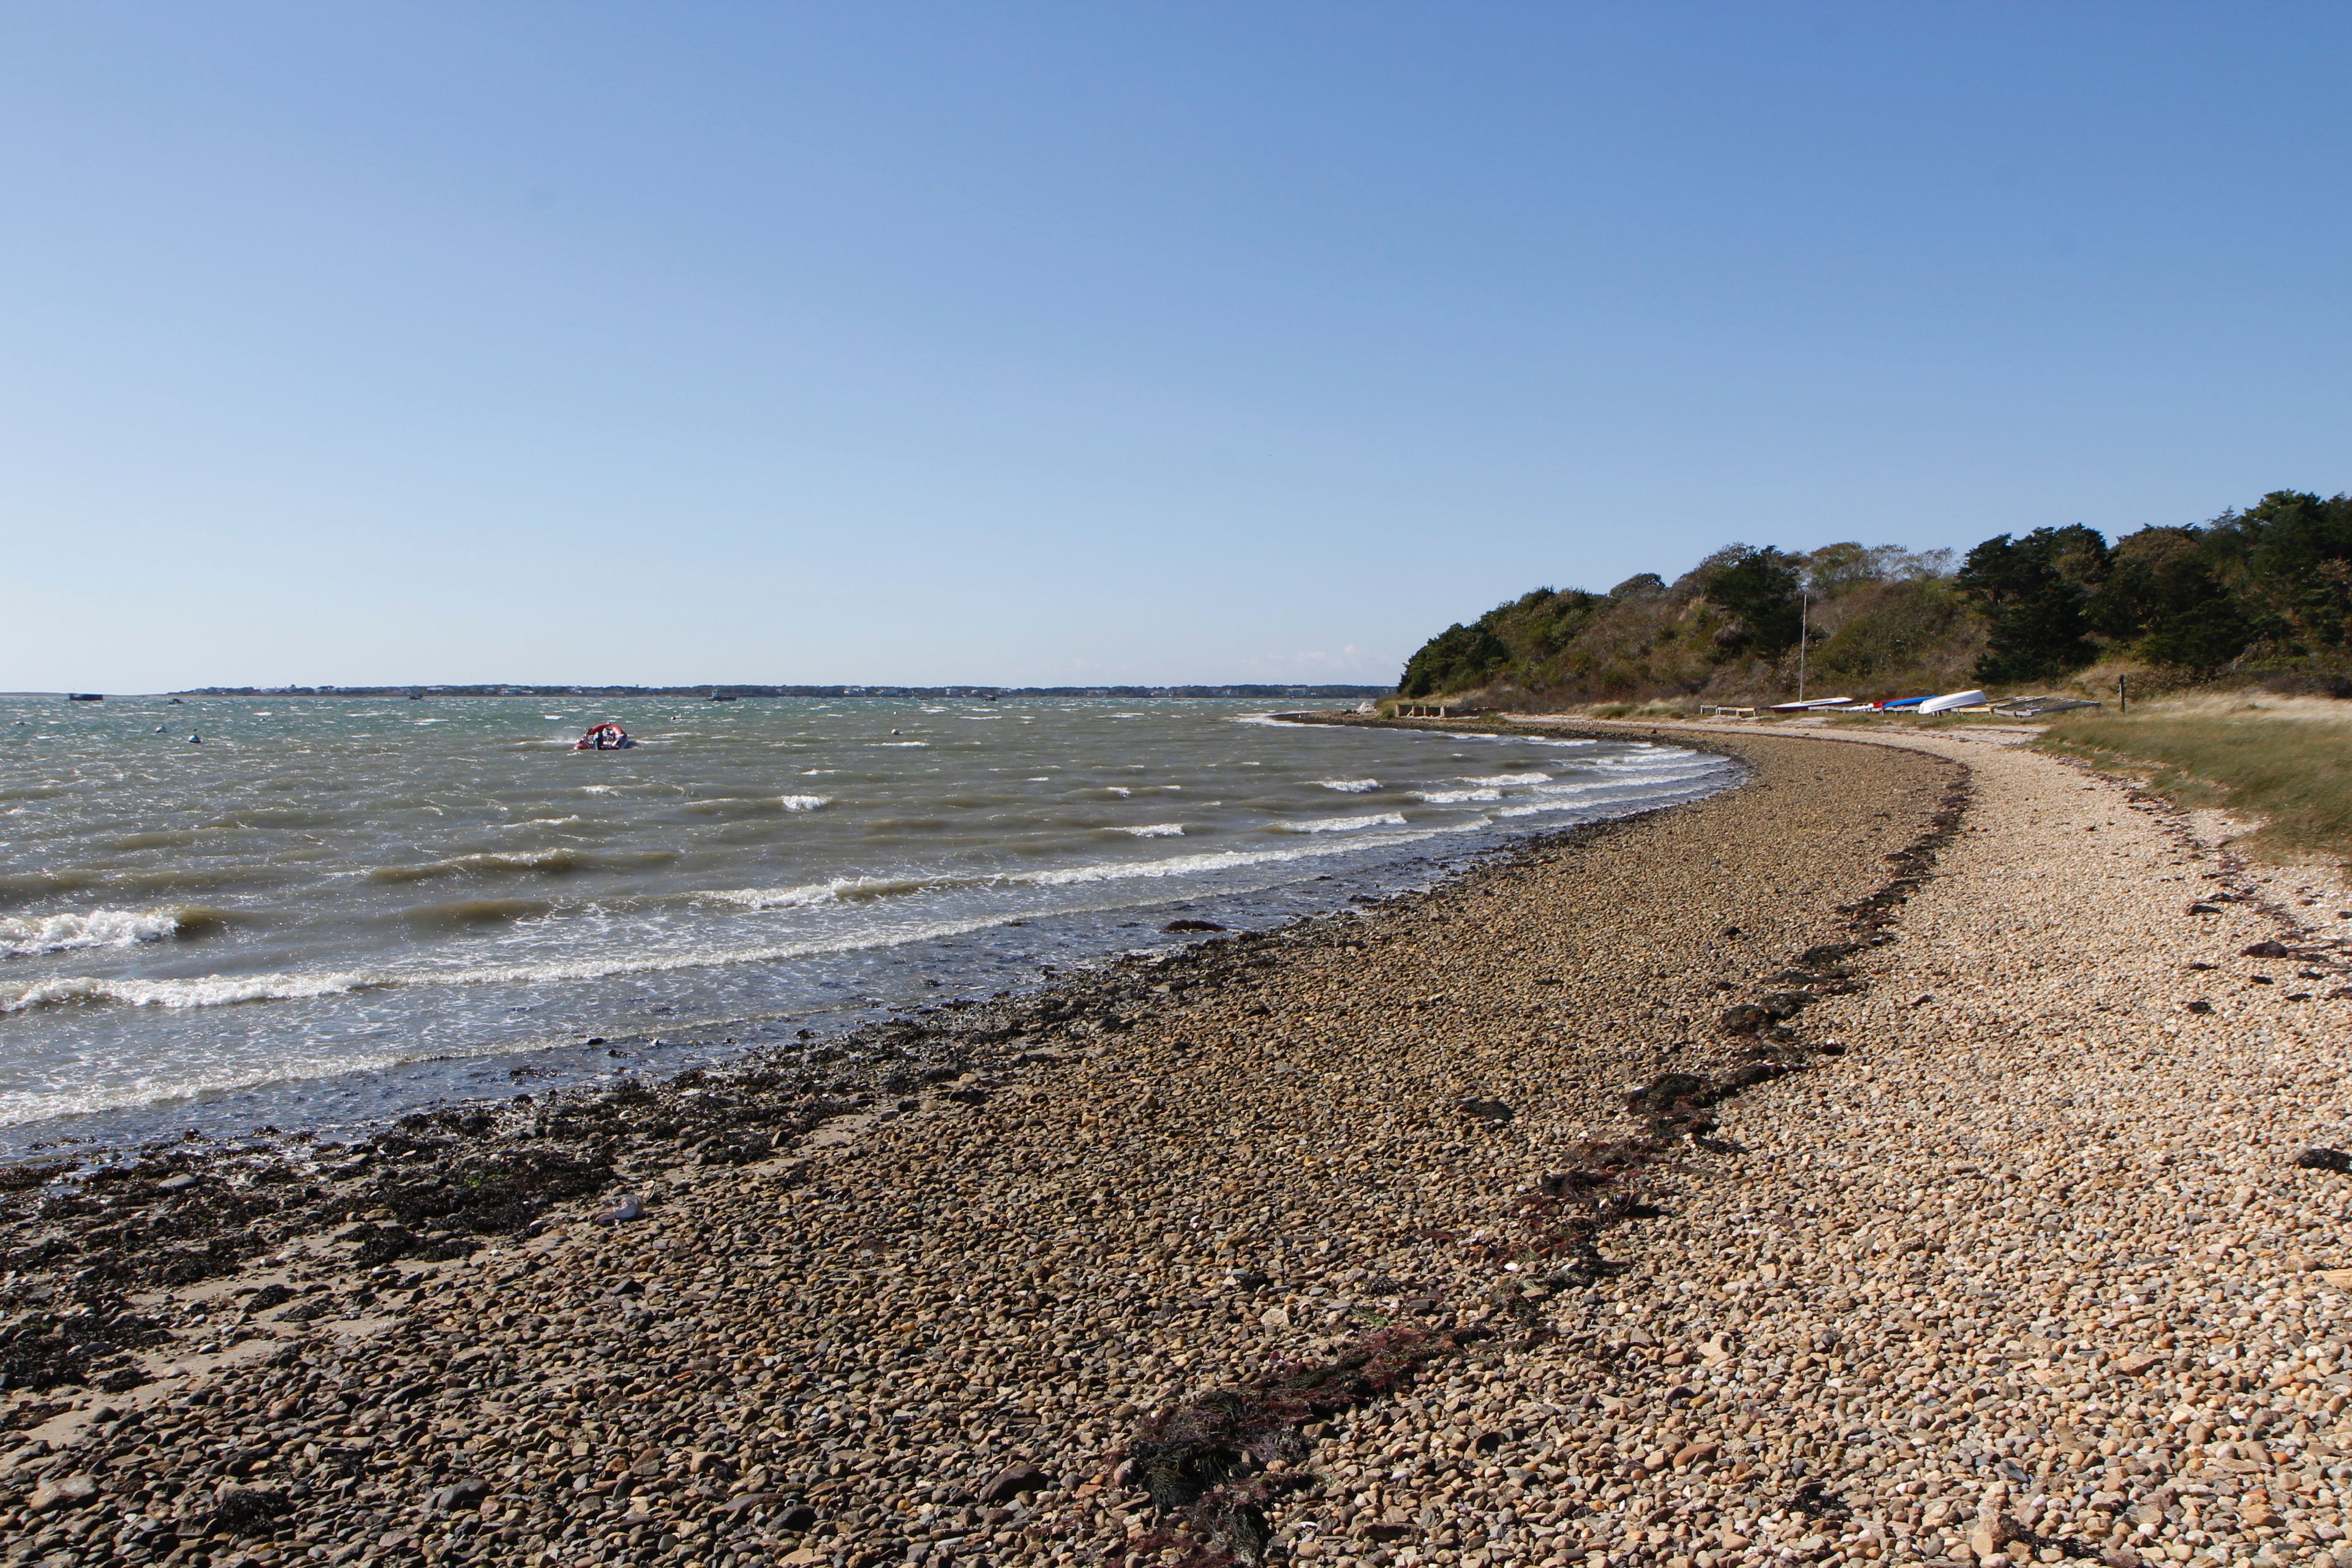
(1106, 342)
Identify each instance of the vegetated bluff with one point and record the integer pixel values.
(2267, 591)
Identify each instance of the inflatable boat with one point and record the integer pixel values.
(605, 737)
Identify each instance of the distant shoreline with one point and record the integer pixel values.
(707, 690)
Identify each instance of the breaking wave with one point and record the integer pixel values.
(22, 936)
(1343, 823)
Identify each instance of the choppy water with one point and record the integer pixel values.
(334, 909)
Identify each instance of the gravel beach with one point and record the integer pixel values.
(1900, 1157)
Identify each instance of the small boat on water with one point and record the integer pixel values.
(605, 737)
(85, 696)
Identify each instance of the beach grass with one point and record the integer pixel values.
(2286, 762)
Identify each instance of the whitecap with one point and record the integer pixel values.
(803, 802)
(1342, 824)
(23, 936)
(206, 991)
(1155, 830)
(839, 890)
(1347, 786)
(1508, 779)
(1456, 796)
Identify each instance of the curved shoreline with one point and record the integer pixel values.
(1830, 1170)
(344, 1106)
(1204, 1067)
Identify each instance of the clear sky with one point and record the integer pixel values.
(1023, 343)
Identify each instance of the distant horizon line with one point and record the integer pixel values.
(730, 690)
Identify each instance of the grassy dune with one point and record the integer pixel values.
(2287, 761)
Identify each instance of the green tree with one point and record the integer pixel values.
(1757, 589)
(2035, 593)
(2296, 554)
(1456, 659)
(2167, 596)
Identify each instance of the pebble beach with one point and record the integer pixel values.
(1927, 1150)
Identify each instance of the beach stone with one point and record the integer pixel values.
(64, 1492)
(461, 1496)
(1012, 1482)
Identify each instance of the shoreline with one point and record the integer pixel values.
(857, 1073)
(570, 1049)
(1829, 1170)
(782, 1145)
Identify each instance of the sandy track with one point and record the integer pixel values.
(1318, 1178)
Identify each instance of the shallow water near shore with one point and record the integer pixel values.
(330, 911)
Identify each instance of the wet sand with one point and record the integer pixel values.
(1803, 1172)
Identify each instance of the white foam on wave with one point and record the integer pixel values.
(1456, 796)
(1505, 780)
(803, 802)
(203, 991)
(1670, 772)
(599, 789)
(24, 936)
(1342, 824)
(1347, 786)
(1155, 830)
(902, 742)
(1118, 789)
(1664, 780)
(839, 890)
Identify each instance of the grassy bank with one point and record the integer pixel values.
(2287, 761)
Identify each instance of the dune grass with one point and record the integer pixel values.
(2285, 761)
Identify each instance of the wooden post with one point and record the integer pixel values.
(2123, 702)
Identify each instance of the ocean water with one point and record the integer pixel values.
(332, 911)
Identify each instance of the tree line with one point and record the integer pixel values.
(2268, 589)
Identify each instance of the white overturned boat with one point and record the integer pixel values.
(1952, 702)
